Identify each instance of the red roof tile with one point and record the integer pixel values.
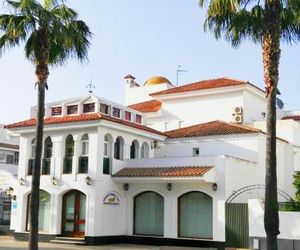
(81, 118)
(188, 171)
(206, 84)
(292, 117)
(210, 129)
(148, 106)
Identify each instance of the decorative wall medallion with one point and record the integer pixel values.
(111, 199)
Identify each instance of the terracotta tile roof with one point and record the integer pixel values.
(188, 171)
(210, 129)
(10, 146)
(206, 84)
(148, 106)
(292, 117)
(81, 118)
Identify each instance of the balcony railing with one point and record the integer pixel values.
(68, 163)
(30, 166)
(46, 166)
(106, 165)
(83, 165)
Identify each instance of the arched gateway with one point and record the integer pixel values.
(73, 216)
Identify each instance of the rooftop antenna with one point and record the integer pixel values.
(178, 71)
(90, 87)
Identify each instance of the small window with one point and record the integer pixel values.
(127, 116)
(138, 119)
(88, 107)
(9, 159)
(196, 151)
(116, 112)
(16, 158)
(104, 108)
(73, 109)
(56, 111)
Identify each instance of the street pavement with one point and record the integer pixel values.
(8, 243)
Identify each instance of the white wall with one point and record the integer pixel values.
(200, 109)
(240, 146)
(139, 94)
(254, 105)
(289, 225)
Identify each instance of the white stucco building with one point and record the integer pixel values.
(158, 170)
(9, 158)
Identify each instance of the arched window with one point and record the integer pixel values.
(134, 150)
(69, 153)
(33, 148)
(149, 214)
(44, 211)
(47, 156)
(84, 158)
(195, 215)
(48, 147)
(32, 156)
(118, 148)
(107, 154)
(145, 150)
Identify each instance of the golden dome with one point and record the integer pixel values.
(156, 80)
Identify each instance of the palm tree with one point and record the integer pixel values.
(267, 23)
(52, 34)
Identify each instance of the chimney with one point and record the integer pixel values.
(130, 80)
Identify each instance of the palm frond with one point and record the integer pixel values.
(50, 30)
(50, 4)
(71, 41)
(64, 12)
(28, 7)
(237, 20)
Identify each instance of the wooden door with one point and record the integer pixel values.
(74, 210)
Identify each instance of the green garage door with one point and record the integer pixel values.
(149, 214)
(195, 215)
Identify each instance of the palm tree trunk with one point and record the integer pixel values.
(271, 218)
(42, 73)
(271, 56)
(35, 186)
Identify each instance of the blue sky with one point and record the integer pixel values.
(144, 38)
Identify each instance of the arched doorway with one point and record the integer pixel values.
(195, 215)
(44, 211)
(73, 214)
(149, 214)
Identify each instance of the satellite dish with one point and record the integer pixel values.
(279, 103)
